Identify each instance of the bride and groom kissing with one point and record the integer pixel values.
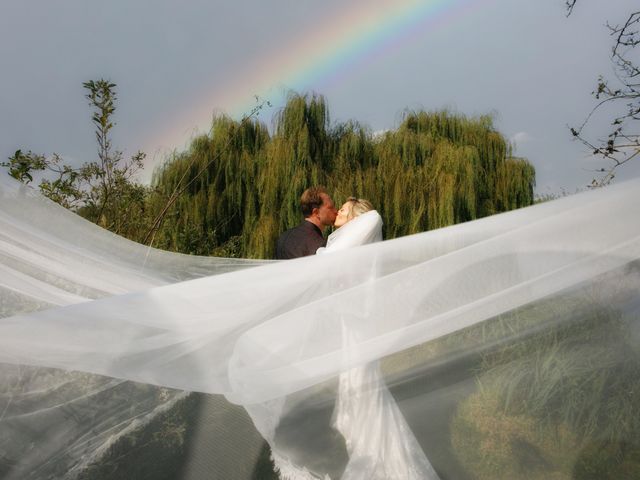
(379, 442)
(320, 212)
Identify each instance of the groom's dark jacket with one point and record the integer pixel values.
(299, 241)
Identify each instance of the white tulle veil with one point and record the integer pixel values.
(491, 337)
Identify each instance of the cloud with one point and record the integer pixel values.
(380, 133)
(520, 138)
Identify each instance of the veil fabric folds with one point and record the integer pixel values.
(378, 441)
(491, 324)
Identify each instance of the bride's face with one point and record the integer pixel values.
(343, 214)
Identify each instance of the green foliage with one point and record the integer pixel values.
(558, 392)
(236, 189)
(102, 191)
(60, 182)
(221, 171)
(435, 170)
(111, 198)
(22, 164)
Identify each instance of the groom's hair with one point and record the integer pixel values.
(311, 198)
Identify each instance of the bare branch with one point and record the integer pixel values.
(620, 146)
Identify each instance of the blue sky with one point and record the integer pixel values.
(522, 61)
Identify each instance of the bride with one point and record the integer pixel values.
(379, 442)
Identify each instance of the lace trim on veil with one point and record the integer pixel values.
(286, 470)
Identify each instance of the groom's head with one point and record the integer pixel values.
(317, 206)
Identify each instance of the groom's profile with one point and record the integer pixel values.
(319, 212)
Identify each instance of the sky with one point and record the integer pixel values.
(177, 64)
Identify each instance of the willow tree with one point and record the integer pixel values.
(440, 168)
(434, 170)
(221, 198)
(296, 157)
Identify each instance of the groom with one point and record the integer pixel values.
(319, 212)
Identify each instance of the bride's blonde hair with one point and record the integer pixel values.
(359, 206)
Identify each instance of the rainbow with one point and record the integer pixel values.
(366, 30)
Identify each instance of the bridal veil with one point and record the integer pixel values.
(510, 344)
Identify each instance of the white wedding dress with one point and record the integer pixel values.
(378, 439)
